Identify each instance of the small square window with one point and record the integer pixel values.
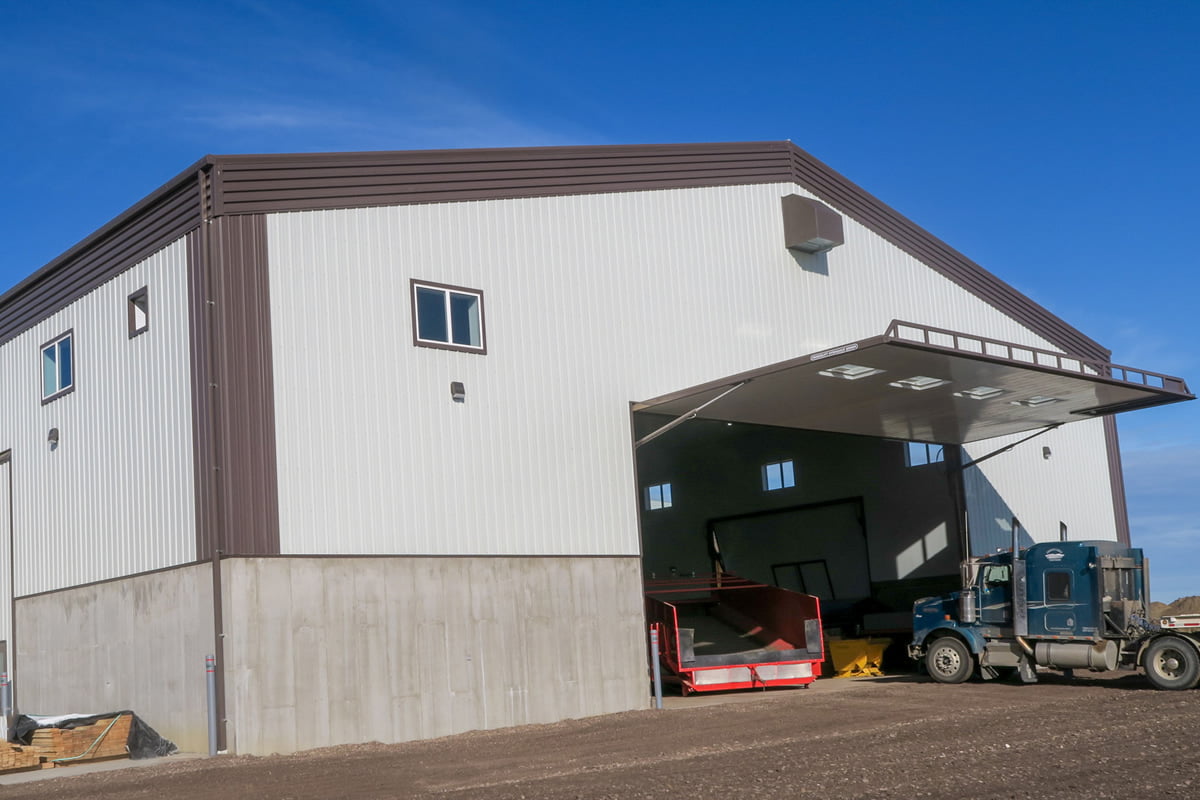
(1058, 587)
(658, 496)
(448, 317)
(780, 475)
(139, 312)
(58, 367)
(918, 454)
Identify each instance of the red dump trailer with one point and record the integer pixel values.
(720, 632)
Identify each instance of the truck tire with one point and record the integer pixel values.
(949, 661)
(1172, 663)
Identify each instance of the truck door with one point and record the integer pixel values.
(1061, 605)
(995, 601)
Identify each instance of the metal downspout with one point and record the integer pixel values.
(218, 525)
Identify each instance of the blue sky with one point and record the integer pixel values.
(1054, 143)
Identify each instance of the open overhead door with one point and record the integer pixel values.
(919, 383)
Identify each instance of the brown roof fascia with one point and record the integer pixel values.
(160, 217)
(264, 183)
(851, 199)
(309, 181)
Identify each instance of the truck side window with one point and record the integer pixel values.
(1058, 587)
(997, 574)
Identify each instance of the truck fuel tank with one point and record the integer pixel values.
(1099, 657)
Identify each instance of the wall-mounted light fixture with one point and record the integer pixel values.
(458, 392)
(52, 438)
(809, 225)
(1046, 452)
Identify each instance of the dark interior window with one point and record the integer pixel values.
(1058, 587)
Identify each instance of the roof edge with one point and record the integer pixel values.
(830, 185)
(107, 229)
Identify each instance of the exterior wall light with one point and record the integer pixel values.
(809, 225)
(458, 392)
(52, 438)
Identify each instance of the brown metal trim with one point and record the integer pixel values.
(436, 555)
(67, 334)
(413, 284)
(1113, 374)
(1116, 478)
(164, 216)
(203, 441)
(6, 458)
(131, 302)
(882, 219)
(243, 414)
(265, 183)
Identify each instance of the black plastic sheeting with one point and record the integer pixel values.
(144, 741)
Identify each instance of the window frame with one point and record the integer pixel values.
(61, 391)
(666, 499)
(928, 449)
(786, 467)
(132, 307)
(414, 284)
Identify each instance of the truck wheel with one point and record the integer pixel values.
(1172, 663)
(949, 661)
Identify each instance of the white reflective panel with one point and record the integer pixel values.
(113, 492)
(667, 289)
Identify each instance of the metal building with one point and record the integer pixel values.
(398, 436)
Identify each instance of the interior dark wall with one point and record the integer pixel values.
(715, 471)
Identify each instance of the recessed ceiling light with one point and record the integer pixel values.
(850, 372)
(1035, 401)
(919, 383)
(980, 392)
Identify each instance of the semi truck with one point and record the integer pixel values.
(1066, 605)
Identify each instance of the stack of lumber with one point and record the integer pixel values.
(14, 757)
(83, 744)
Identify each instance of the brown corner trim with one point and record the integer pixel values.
(1116, 478)
(159, 219)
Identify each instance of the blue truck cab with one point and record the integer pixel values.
(1064, 605)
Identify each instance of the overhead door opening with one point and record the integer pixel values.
(756, 472)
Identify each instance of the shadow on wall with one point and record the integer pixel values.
(989, 516)
(816, 263)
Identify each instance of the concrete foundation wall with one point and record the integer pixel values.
(323, 651)
(137, 644)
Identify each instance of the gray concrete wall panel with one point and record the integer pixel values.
(116, 495)
(137, 643)
(333, 650)
(591, 302)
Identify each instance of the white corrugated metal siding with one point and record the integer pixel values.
(1071, 486)
(116, 497)
(591, 302)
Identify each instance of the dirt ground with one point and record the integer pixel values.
(899, 737)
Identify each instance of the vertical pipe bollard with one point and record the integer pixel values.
(657, 668)
(210, 668)
(5, 697)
